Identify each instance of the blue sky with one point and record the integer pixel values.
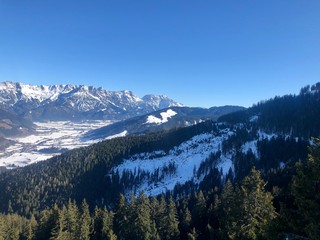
(200, 53)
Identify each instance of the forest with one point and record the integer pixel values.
(232, 211)
(273, 193)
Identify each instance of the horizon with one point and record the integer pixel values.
(183, 105)
(199, 54)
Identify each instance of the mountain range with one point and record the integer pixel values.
(76, 102)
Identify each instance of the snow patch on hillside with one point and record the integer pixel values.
(251, 145)
(122, 134)
(164, 117)
(186, 159)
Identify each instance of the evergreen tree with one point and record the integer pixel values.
(306, 192)
(107, 225)
(192, 235)
(47, 222)
(61, 230)
(31, 228)
(185, 222)
(85, 222)
(121, 219)
(199, 212)
(171, 230)
(98, 225)
(140, 219)
(256, 208)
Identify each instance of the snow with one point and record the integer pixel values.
(164, 117)
(254, 118)
(50, 139)
(186, 157)
(225, 163)
(122, 134)
(251, 145)
(264, 135)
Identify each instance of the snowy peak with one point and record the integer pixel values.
(76, 102)
(160, 101)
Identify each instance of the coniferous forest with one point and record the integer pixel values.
(274, 194)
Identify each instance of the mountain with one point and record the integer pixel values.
(179, 161)
(246, 176)
(76, 102)
(13, 125)
(165, 119)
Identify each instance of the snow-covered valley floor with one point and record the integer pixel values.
(51, 139)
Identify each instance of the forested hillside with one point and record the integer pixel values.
(245, 211)
(295, 115)
(253, 179)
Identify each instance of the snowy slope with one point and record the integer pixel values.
(186, 159)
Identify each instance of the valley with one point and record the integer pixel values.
(50, 139)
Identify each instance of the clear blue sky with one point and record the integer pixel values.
(200, 53)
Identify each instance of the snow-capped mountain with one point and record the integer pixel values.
(76, 102)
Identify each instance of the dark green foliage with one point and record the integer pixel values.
(296, 115)
(82, 173)
(306, 192)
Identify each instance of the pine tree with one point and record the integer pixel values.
(140, 218)
(98, 217)
(199, 212)
(121, 219)
(185, 222)
(306, 191)
(2, 227)
(47, 222)
(31, 228)
(192, 235)
(171, 229)
(256, 208)
(73, 219)
(85, 222)
(107, 225)
(61, 231)
(229, 211)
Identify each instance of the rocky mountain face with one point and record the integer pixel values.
(76, 102)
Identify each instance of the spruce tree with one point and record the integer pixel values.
(256, 208)
(31, 228)
(171, 230)
(107, 225)
(306, 192)
(85, 222)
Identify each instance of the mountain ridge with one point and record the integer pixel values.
(76, 102)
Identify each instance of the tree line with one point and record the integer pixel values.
(235, 211)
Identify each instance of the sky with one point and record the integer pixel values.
(200, 53)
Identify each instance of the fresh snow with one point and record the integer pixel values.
(187, 157)
(122, 134)
(50, 140)
(252, 145)
(264, 135)
(164, 117)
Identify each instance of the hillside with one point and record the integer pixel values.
(198, 168)
(161, 161)
(165, 119)
(13, 125)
